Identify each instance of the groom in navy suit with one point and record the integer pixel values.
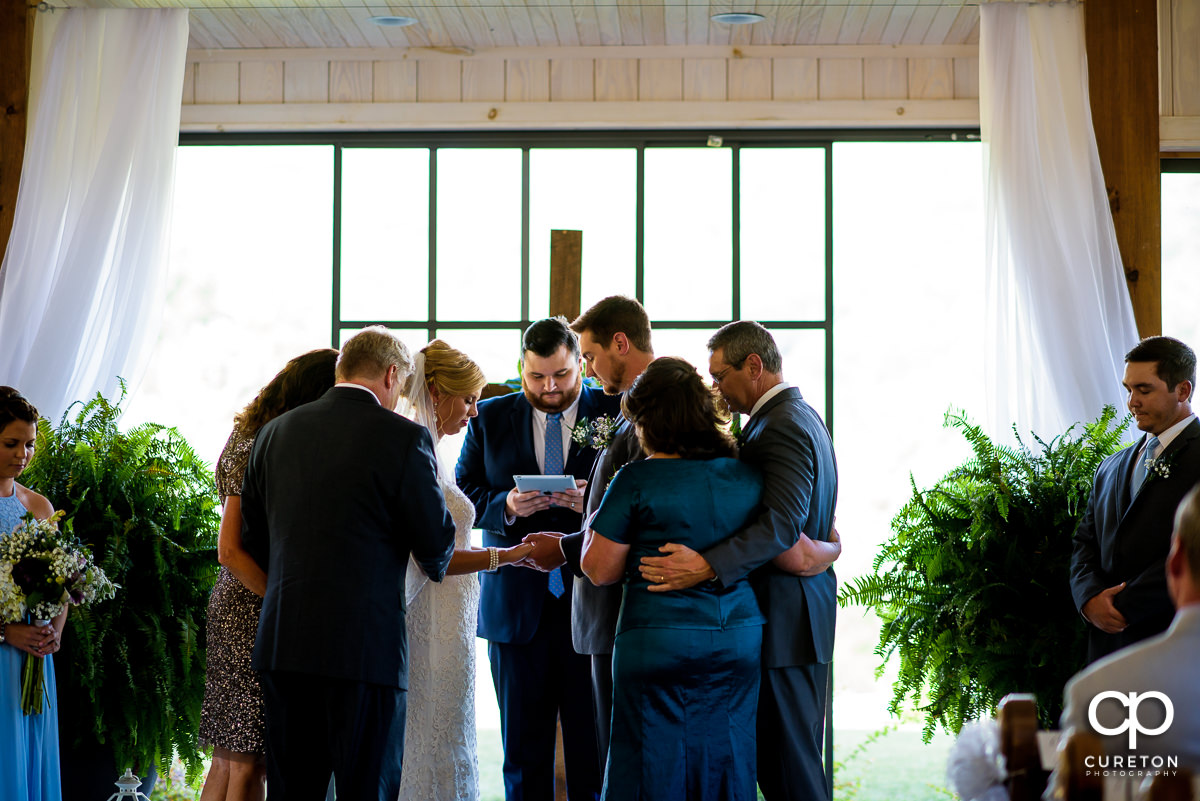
(1118, 565)
(788, 551)
(525, 615)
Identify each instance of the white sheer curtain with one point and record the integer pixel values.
(83, 276)
(1059, 318)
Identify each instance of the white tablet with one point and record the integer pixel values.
(544, 484)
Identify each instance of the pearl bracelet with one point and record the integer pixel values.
(493, 560)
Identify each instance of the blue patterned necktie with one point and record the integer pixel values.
(1139, 469)
(552, 465)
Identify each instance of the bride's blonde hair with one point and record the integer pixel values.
(451, 371)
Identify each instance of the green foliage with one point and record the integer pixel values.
(146, 506)
(973, 587)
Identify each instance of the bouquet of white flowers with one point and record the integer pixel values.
(42, 571)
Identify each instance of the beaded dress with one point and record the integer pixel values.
(232, 716)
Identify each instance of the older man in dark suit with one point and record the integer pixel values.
(525, 615)
(1118, 565)
(787, 550)
(336, 496)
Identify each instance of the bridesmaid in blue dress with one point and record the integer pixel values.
(685, 663)
(28, 743)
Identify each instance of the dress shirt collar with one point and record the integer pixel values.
(569, 415)
(1167, 437)
(770, 393)
(360, 386)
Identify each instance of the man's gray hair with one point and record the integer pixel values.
(369, 353)
(740, 339)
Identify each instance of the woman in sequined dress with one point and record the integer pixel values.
(440, 759)
(232, 721)
(28, 743)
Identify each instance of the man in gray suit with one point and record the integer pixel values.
(785, 552)
(337, 494)
(1164, 664)
(614, 340)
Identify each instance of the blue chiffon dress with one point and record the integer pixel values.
(685, 663)
(28, 743)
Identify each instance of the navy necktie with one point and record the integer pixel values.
(552, 465)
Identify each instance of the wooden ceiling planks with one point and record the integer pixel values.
(475, 25)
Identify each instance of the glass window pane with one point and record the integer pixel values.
(687, 233)
(1181, 256)
(803, 353)
(684, 343)
(479, 234)
(594, 191)
(385, 234)
(498, 352)
(414, 338)
(248, 284)
(782, 233)
(909, 301)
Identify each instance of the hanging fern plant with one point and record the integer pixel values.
(146, 506)
(973, 587)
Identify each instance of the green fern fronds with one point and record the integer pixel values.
(973, 587)
(132, 668)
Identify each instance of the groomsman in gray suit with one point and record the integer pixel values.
(785, 552)
(614, 338)
(1157, 665)
(1118, 576)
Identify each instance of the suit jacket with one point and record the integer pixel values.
(789, 443)
(1164, 664)
(337, 493)
(1127, 539)
(499, 445)
(594, 609)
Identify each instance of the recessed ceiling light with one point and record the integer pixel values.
(737, 18)
(394, 22)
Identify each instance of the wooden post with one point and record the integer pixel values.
(1122, 48)
(16, 47)
(566, 273)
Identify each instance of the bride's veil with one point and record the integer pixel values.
(417, 405)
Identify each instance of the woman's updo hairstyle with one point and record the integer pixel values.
(676, 412)
(15, 406)
(450, 370)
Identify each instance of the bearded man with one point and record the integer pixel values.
(525, 615)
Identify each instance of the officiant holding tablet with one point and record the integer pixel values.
(525, 615)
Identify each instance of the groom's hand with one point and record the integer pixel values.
(679, 569)
(547, 553)
(523, 504)
(1102, 613)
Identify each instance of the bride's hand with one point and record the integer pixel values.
(516, 553)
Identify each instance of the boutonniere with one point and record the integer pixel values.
(1158, 468)
(596, 433)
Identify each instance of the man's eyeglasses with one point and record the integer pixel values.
(719, 377)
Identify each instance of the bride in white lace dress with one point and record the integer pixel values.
(440, 759)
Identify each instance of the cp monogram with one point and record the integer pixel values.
(1132, 724)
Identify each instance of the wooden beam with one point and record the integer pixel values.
(16, 46)
(1122, 46)
(566, 271)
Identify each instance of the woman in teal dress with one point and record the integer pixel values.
(28, 743)
(685, 663)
